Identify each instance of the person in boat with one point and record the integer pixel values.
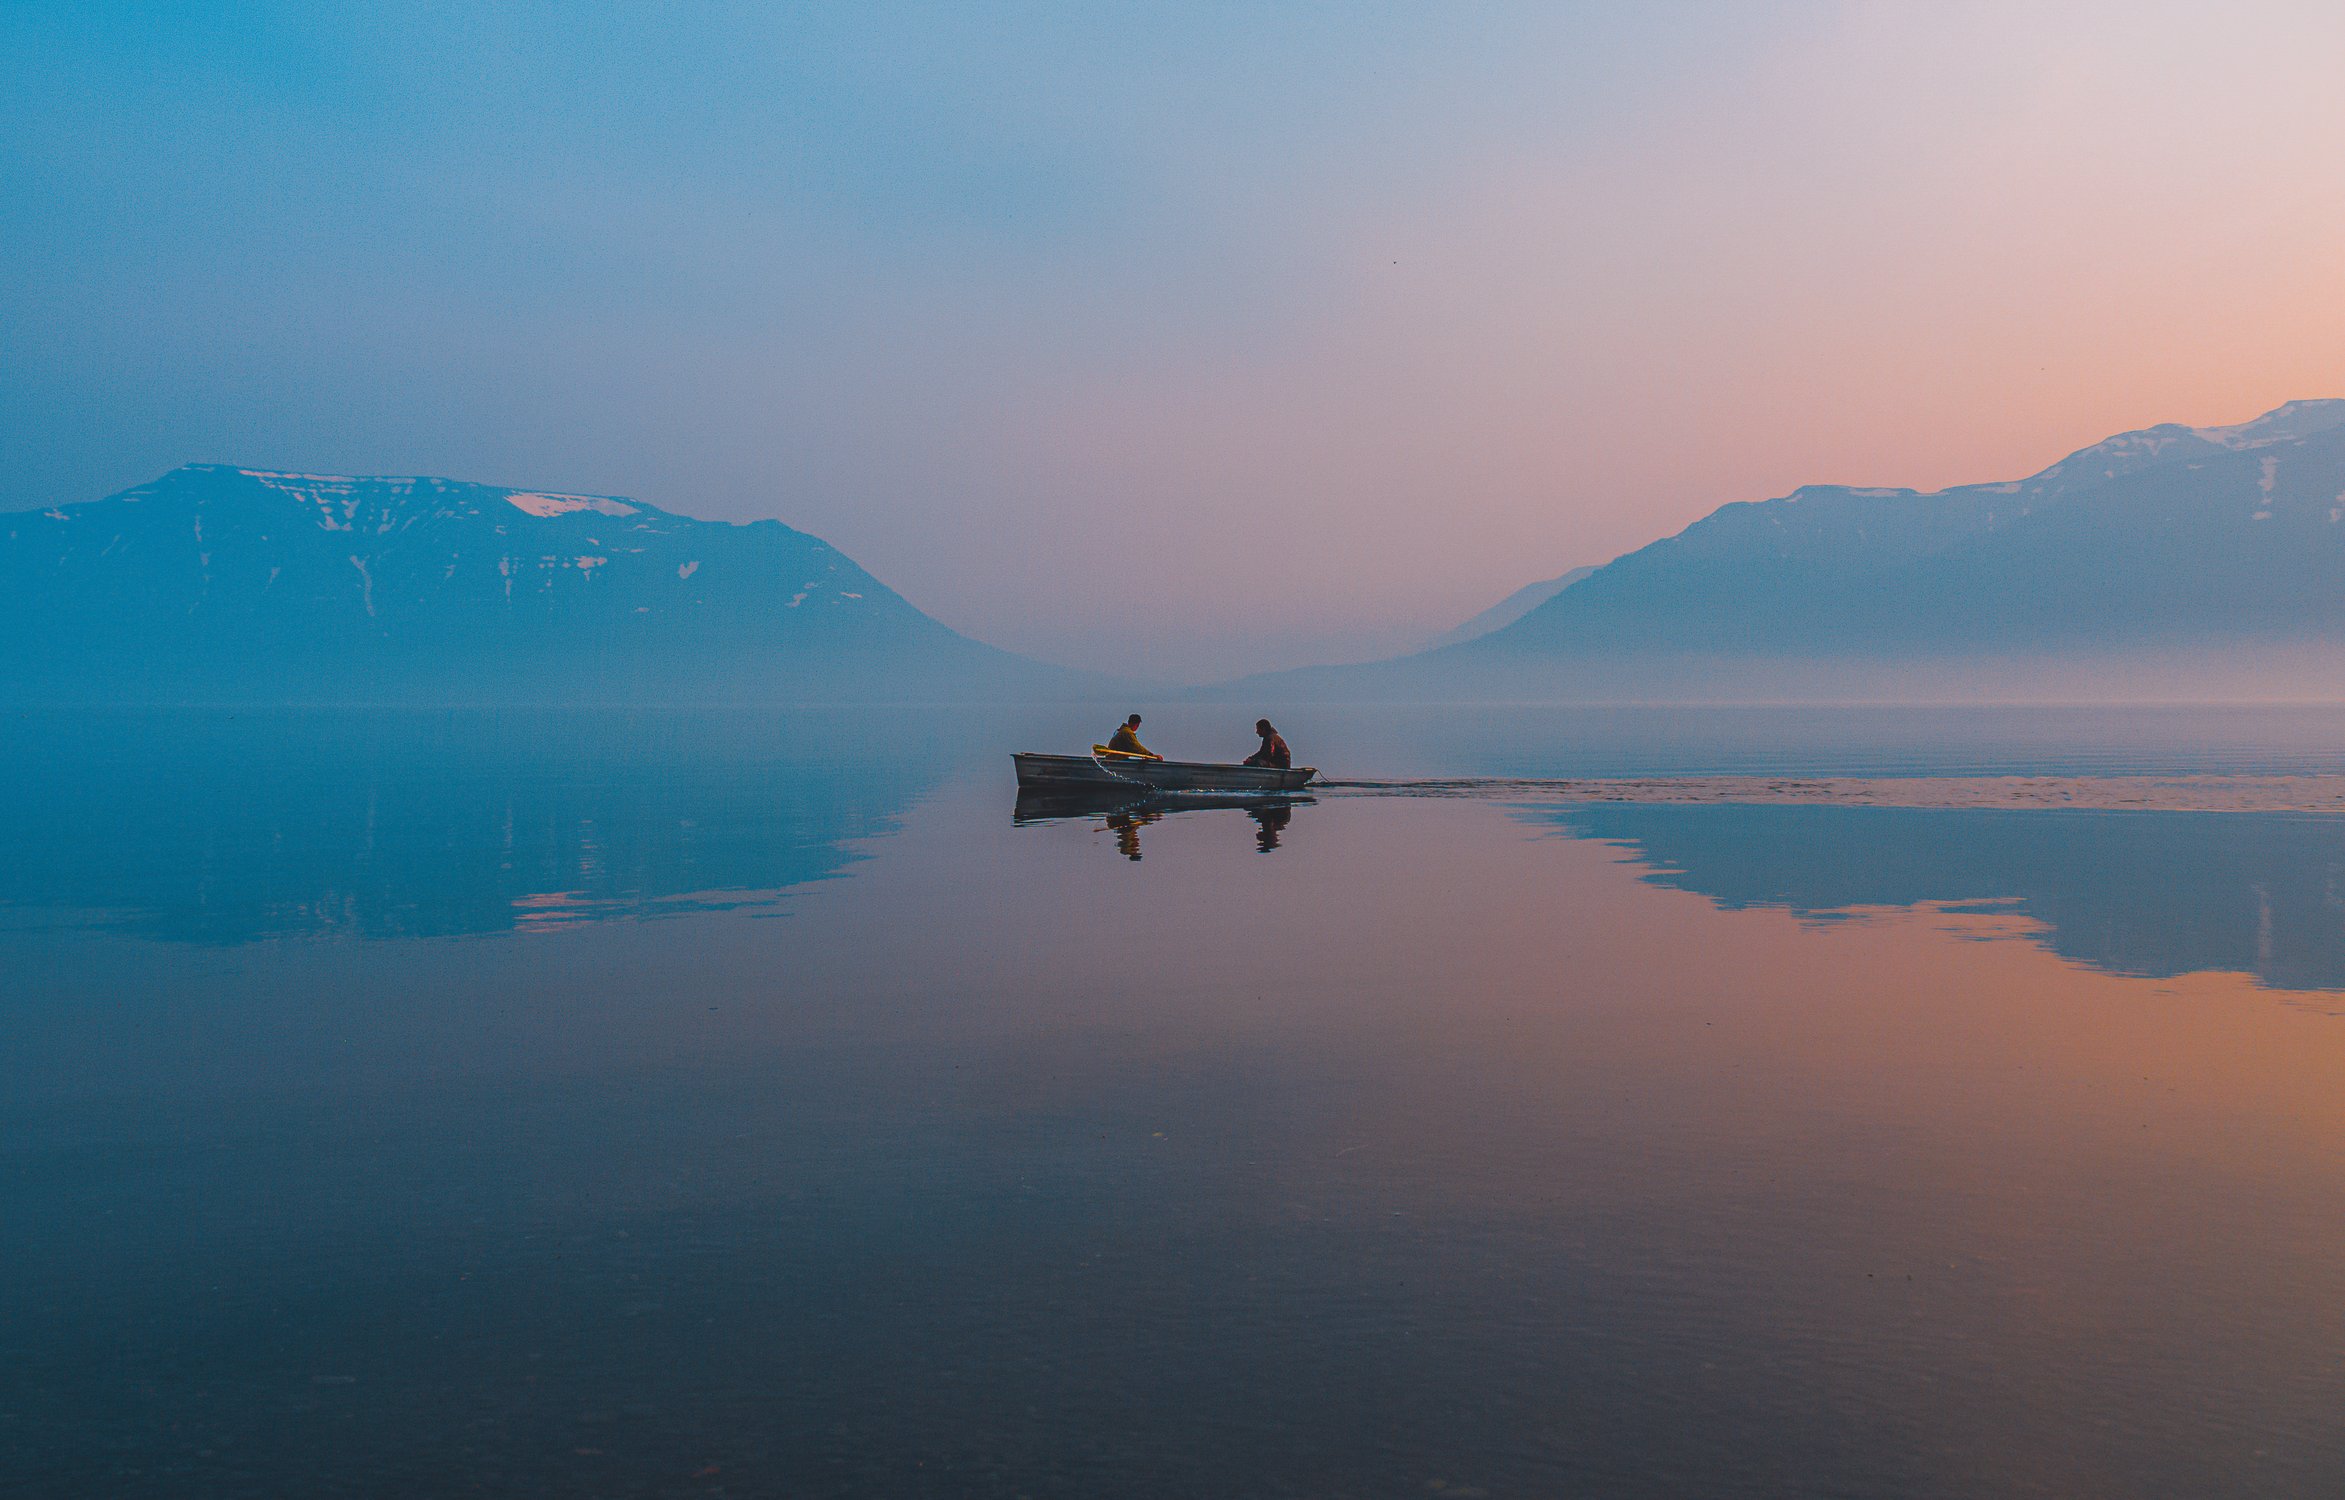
(1126, 740)
(1274, 751)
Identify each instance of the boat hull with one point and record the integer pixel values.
(1065, 771)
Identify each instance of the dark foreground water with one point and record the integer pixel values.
(592, 1107)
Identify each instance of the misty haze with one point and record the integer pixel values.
(906, 751)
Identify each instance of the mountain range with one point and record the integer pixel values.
(2153, 561)
(2184, 562)
(227, 583)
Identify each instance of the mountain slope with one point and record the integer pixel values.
(2148, 563)
(225, 582)
(1507, 610)
(2171, 534)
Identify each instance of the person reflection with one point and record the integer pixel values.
(1126, 824)
(1269, 823)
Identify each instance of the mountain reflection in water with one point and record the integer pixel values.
(1445, 1154)
(2150, 894)
(229, 829)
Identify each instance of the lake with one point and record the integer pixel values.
(398, 1105)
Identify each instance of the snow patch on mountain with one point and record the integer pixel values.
(537, 504)
(2286, 423)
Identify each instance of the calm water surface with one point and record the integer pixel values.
(405, 1106)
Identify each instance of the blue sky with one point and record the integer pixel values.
(1178, 338)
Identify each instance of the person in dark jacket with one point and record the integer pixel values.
(1274, 751)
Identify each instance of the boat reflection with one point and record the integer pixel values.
(1123, 814)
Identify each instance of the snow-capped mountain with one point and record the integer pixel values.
(2154, 563)
(2198, 535)
(235, 581)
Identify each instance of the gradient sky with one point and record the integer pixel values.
(1177, 339)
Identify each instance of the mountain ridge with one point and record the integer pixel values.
(215, 579)
(1507, 610)
(2173, 540)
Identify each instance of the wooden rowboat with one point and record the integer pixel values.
(1104, 768)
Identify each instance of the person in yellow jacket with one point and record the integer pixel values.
(1126, 740)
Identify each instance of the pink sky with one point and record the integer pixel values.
(1191, 343)
(1903, 250)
